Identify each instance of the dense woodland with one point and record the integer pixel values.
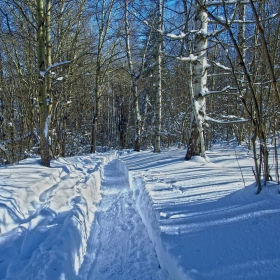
(77, 75)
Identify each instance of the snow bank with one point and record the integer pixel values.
(150, 218)
(46, 214)
(204, 218)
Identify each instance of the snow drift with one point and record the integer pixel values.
(204, 219)
(45, 216)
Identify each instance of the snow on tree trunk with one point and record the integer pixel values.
(198, 73)
(43, 108)
(159, 74)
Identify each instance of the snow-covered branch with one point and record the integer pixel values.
(230, 120)
(225, 90)
(43, 73)
(271, 16)
(222, 66)
(228, 2)
(190, 58)
(176, 37)
(205, 34)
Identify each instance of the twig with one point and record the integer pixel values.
(254, 173)
(240, 169)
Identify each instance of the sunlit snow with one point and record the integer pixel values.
(127, 215)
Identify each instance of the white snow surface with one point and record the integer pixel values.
(128, 215)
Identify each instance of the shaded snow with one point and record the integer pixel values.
(139, 216)
(45, 216)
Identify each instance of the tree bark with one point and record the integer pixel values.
(198, 73)
(138, 120)
(158, 106)
(242, 43)
(43, 108)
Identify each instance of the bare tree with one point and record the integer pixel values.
(106, 54)
(254, 72)
(135, 76)
(42, 96)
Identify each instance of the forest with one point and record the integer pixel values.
(81, 76)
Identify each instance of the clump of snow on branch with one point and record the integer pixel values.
(230, 119)
(190, 58)
(176, 37)
(43, 73)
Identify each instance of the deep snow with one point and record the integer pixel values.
(119, 247)
(131, 215)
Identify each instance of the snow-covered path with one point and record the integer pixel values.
(119, 246)
(78, 220)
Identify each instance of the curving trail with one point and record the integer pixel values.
(119, 246)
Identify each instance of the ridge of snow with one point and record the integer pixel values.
(48, 217)
(150, 218)
(190, 216)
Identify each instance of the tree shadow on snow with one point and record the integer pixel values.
(235, 235)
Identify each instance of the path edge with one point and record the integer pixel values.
(150, 218)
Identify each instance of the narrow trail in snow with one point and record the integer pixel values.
(119, 246)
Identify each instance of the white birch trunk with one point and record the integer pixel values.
(137, 140)
(198, 86)
(158, 107)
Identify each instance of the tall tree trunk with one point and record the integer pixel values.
(122, 123)
(96, 112)
(198, 70)
(138, 120)
(43, 108)
(98, 83)
(159, 78)
(241, 43)
(48, 53)
(49, 63)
